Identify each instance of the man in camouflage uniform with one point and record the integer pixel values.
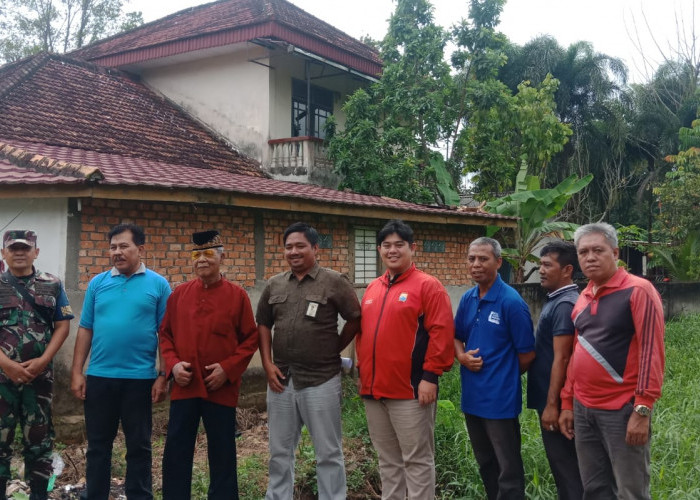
(30, 336)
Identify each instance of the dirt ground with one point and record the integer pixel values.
(252, 444)
(253, 441)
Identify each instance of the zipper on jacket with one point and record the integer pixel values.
(376, 332)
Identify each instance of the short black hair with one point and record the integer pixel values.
(565, 253)
(395, 226)
(301, 227)
(138, 236)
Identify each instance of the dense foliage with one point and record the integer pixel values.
(414, 133)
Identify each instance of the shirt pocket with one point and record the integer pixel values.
(47, 301)
(278, 307)
(316, 307)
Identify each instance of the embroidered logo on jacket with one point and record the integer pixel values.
(403, 297)
(494, 318)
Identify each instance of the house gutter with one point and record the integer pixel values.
(334, 64)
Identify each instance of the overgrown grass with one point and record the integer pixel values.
(675, 442)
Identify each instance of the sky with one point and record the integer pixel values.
(615, 27)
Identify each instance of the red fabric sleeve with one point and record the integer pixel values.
(247, 333)
(439, 323)
(648, 317)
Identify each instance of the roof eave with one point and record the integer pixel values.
(270, 29)
(245, 200)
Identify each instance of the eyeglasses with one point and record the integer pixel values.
(208, 253)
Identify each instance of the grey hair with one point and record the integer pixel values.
(608, 232)
(495, 245)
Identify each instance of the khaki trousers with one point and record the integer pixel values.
(402, 432)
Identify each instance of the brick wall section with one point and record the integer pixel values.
(169, 227)
(449, 266)
(337, 258)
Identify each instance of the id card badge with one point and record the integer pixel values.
(312, 309)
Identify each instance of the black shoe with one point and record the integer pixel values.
(3, 489)
(38, 489)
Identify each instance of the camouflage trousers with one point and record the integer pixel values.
(28, 405)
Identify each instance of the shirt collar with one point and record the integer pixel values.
(140, 270)
(614, 282)
(564, 289)
(311, 274)
(494, 291)
(400, 276)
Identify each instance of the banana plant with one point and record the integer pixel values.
(682, 261)
(535, 209)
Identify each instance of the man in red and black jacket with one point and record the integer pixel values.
(615, 373)
(406, 343)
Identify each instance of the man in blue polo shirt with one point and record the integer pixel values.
(553, 346)
(122, 311)
(494, 344)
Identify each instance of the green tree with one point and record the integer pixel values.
(593, 100)
(515, 130)
(393, 128)
(414, 133)
(678, 194)
(536, 209)
(31, 26)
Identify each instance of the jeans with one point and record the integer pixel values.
(319, 409)
(108, 402)
(220, 426)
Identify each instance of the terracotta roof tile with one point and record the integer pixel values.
(57, 100)
(215, 24)
(128, 171)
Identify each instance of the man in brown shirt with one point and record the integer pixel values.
(303, 377)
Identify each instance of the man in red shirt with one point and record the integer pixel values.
(615, 372)
(207, 338)
(405, 345)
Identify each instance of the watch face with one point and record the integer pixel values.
(644, 411)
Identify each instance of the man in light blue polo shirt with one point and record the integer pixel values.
(494, 343)
(119, 323)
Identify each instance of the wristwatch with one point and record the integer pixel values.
(162, 374)
(643, 410)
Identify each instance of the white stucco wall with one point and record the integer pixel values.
(228, 93)
(49, 219)
(244, 95)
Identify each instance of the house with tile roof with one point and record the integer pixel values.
(85, 146)
(264, 74)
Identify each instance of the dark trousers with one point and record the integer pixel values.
(610, 468)
(496, 445)
(108, 402)
(561, 454)
(220, 427)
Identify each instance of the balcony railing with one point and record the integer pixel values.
(303, 159)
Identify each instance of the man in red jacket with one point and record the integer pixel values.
(615, 372)
(207, 338)
(406, 343)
